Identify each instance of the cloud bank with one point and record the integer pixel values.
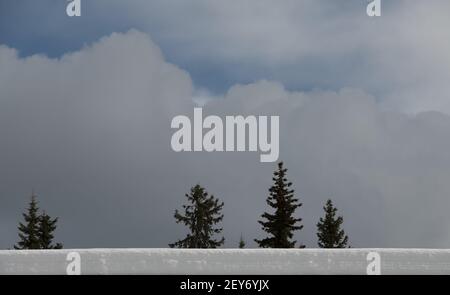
(401, 57)
(90, 132)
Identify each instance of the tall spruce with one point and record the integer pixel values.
(329, 229)
(29, 229)
(200, 215)
(47, 226)
(281, 224)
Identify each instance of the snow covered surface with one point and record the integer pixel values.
(226, 261)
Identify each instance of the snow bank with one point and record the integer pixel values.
(226, 261)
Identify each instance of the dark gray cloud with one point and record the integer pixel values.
(90, 132)
(400, 57)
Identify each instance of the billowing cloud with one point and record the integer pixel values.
(402, 57)
(90, 132)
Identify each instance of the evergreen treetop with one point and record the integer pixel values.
(200, 215)
(241, 243)
(281, 224)
(29, 229)
(47, 226)
(329, 232)
(36, 232)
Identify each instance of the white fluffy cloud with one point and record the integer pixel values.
(91, 133)
(402, 57)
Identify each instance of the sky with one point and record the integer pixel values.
(364, 106)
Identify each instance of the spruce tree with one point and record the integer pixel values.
(29, 230)
(201, 214)
(47, 226)
(281, 224)
(241, 243)
(329, 229)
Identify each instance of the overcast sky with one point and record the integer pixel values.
(364, 106)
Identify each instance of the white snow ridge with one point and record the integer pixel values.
(226, 261)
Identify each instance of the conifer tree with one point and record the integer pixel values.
(200, 215)
(47, 226)
(281, 224)
(29, 229)
(241, 243)
(329, 229)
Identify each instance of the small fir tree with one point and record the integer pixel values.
(329, 230)
(47, 226)
(200, 215)
(29, 229)
(241, 243)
